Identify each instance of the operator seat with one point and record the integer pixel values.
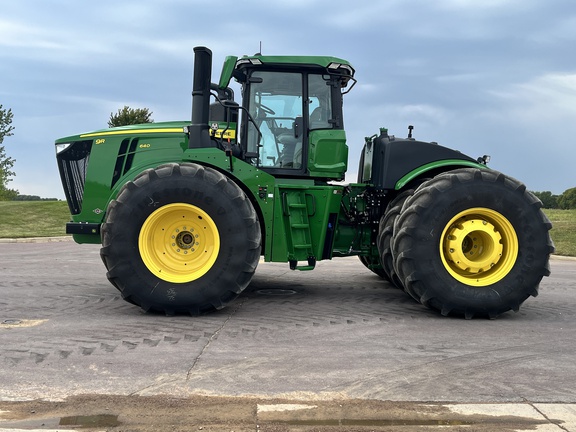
(290, 144)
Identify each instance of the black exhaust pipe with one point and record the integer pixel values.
(199, 130)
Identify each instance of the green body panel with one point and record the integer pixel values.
(327, 153)
(302, 223)
(227, 71)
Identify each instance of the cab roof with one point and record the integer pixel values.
(334, 65)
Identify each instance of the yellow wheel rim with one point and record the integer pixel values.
(179, 243)
(479, 247)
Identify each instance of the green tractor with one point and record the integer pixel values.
(185, 210)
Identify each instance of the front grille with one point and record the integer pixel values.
(73, 164)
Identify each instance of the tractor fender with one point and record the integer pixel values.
(391, 163)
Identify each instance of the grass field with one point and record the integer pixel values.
(48, 218)
(33, 218)
(563, 230)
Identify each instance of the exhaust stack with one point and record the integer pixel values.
(199, 129)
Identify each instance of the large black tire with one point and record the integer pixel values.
(374, 265)
(472, 242)
(385, 234)
(181, 238)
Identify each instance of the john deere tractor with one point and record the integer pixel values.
(185, 210)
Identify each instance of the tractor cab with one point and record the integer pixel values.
(291, 114)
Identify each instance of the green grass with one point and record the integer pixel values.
(48, 218)
(563, 230)
(33, 218)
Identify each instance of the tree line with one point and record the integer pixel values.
(564, 201)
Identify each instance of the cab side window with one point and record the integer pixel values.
(320, 105)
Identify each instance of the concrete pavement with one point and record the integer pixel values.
(332, 349)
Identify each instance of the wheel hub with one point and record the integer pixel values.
(179, 242)
(474, 245)
(184, 239)
(479, 247)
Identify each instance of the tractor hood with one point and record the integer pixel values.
(144, 128)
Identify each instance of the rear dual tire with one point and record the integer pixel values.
(386, 233)
(471, 242)
(374, 265)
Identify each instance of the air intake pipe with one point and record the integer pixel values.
(199, 130)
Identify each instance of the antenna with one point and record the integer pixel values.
(260, 51)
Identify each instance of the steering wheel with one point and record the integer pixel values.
(266, 109)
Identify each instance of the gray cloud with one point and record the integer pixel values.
(495, 76)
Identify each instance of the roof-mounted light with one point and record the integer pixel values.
(336, 66)
(253, 61)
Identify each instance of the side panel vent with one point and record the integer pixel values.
(125, 158)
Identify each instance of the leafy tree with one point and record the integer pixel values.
(6, 162)
(568, 199)
(129, 116)
(549, 200)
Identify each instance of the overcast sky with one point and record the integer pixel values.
(493, 77)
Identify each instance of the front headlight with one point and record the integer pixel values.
(61, 147)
